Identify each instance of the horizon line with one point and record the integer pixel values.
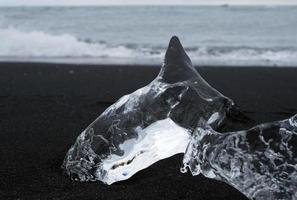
(120, 5)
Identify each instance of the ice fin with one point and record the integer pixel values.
(177, 65)
(176, 55)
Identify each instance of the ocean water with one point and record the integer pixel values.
(214, 35)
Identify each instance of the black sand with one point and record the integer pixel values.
(43, 107)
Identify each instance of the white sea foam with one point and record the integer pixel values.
(15, 43)
(37, 44)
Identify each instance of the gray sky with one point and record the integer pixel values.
(144, 2)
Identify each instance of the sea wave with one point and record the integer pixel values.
(38, 44)
(16, 43)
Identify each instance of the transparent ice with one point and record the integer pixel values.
(148, 125)
(260, 162)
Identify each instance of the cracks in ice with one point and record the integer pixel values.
(148, 125)
(260, 162)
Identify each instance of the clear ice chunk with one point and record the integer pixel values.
(147, 125)
(260, 162)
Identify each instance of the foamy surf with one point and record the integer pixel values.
(18, 45)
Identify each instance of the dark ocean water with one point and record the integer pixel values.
(220, 35)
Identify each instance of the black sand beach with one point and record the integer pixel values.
(43, 108)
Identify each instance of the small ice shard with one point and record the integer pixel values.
(147, 125)
(260, 162)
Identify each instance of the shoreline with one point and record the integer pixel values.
(137, 62)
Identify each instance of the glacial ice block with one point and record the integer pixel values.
(260, 162)
(147, 125)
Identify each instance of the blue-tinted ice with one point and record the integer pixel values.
(148, 125)
(260, 162)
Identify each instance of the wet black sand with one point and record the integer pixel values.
(43, 107)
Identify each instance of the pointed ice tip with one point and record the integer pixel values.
(174, 43)
(175, 53)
